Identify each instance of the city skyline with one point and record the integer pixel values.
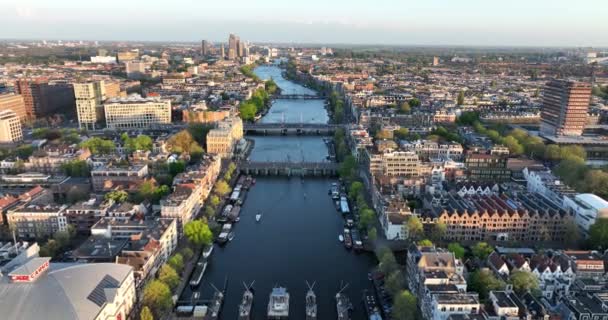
(471, 22)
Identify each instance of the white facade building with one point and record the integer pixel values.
(137, 112)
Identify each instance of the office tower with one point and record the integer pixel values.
(136, 112)
(14, 102)
(43, 98)
(89, 104)
(10, 127)
(232, 47)
(204, 48)
(239, 47)
(222, 52)
(564, 109)
(435, 61)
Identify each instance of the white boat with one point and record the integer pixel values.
(208, 252)
(258, 217)
(341, 238)
(231, 236)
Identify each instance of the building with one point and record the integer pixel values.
(135, 69)
(136, 112)
(427, 149)
(10, 127)
(43, 98)
(487, 167)
(84, 214)
(204, 48)
(233, 47)
(102, 174)
(525, 217)
(125, 56)
(103, 59)
(222, 140)
(34, 221)
(14, 102)
(394, 164)
(89, 104)
(183, 203)
(174, 79)
(565, 108)
(586, 208)
(66, 291)
(112, 89)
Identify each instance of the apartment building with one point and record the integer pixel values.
(101, 175)
(34, 221)
(426, 149)
(10, 127)
(525, 217)
(84, 214)
(89, 104)
(486, 167)
(136, 112)
(565, 108)
(183, 203)
(15, 103)
(395, 164)
(222, 140)
(43, 98)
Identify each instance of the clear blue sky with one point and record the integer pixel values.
(396, 22)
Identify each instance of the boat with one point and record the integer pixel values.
(246, 303)
(343, 304)
(371, 307)
(253, 182)
(348, 241)
(341, 238)
(230, 236)
(357, 243)
(208, 252)
(335, 191)
(278, 304)
(215, 305)
(195, 295)
(258, 217)
(198, 273)
(311, 303)
(350, 223)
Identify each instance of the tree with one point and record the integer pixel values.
(482, 250)
(355, 189)
(347, 167)
(222, 188)
(404, 306)
(141, 142)
(404, 107)
(552, 152)
(169, 276)
(177, 167)
(146, 314)
(438, 231)
(596, 182)
(524, 281)
(157, 296)
(247, 111)
(386, 260)
(401, 133)
(117, 195)
(99, 146)
(24, 151)
(460, 99)
(76, 194)
(372, 234)
(394, 282)
(598, 234)
(214, 201)
(176, 262)
(571, 170)
(366, 218)
(483, 281)
(414, 227)
(414, 103)
(187, 253)
(198, 233)
(456, 249)
(182, 142)
(76, 168)
(572, 235)
(384, 134)
(425, 243)
(209, 212)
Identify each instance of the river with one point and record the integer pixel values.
(297, 239)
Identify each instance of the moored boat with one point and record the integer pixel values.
(278, 304)
(311, 303)
(246, 303)
(343, 304)
(348, 241)
(215, 305)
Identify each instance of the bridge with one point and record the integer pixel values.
(289, 168)
(290, 128)
(299, 97)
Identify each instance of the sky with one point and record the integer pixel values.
(390, 22)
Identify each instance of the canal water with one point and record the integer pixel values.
(297, 238)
